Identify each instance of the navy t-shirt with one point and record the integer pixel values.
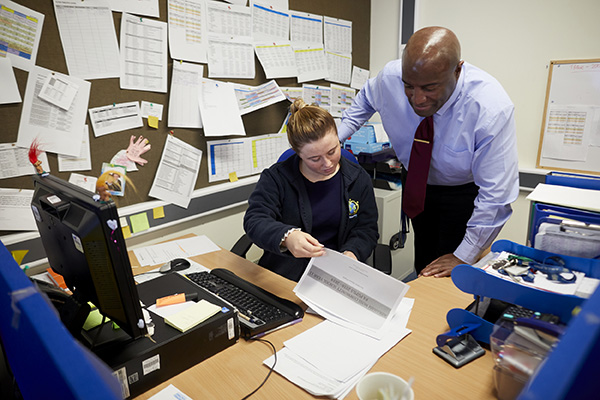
(325, 200)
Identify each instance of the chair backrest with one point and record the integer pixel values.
(288, 153)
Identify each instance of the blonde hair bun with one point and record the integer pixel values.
(297, 105)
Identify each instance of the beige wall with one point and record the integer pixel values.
(513, 40)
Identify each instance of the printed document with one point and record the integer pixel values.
(184, 109)
(143, 54)
(291, 92)
(252, 98)
(311, 62)
(277, 59)
(182, 248)
(15, 210)
(244, 156)
(58, 91)
(231, 57)
(88, 37)
(58, 131)
(170, 393)
(149, 109)
(318, 359)
(115, 118)
(14, 161)
(219, 109)
(228, 19)
(82, 162)
(83, 181)
(20, 34)
(359, 77)
(227, 157)
(339, 67)
(320, 95)
(306, 28)
(187, 30)
(326, 345)
(341, 99)
(338, 35)
(177, 172)
(270, 23)
(9, 90)
(568, 132)
(350, 293)
(138, 7)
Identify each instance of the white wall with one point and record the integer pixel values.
(514, 40)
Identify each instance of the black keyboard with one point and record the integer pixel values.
(260, 311)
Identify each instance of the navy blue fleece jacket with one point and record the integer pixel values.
(280, 202)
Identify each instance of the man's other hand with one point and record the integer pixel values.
(441, 266)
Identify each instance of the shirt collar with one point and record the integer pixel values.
(456, 94)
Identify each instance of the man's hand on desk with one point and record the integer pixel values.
(441, 266)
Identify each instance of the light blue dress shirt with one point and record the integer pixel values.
(474, 141)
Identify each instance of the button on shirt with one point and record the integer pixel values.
(475, 141)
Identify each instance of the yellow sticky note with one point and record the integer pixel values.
(18, 255)
(139, 222)
(153, 121)
(126, 232)
(233, 177)
(158, 212)
(192, 316)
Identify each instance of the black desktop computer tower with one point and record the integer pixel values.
(143, 363)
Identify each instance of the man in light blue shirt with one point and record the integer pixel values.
(473, 176)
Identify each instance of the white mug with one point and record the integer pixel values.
(383, 386)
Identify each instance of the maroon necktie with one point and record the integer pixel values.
(413, 196)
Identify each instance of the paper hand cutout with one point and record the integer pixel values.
(137, 148)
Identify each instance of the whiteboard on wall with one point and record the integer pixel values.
(570, 136)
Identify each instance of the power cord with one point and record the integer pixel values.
(270, 369)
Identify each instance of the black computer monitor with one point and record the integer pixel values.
(84, 243)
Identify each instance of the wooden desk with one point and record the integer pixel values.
(238, 370)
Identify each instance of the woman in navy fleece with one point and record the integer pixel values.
(312, 200)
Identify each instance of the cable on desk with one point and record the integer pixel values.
(270, 370)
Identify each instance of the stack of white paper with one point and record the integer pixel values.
(366, 316)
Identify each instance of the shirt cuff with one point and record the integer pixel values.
(467, 253)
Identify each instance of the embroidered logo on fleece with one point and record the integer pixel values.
(352, 208)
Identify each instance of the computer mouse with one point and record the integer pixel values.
(177, 264)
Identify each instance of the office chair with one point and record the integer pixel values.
(381, 258)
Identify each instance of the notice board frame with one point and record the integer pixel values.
(571, 82)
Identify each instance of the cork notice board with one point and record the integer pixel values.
(107, 91)
(570, 136)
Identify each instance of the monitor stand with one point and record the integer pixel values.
(104, 335)
(72, 311)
